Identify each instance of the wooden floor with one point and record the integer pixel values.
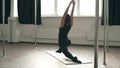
(25, 55)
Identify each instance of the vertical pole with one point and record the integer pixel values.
(96, 35)
(35, 22)
(107, 25)
(105, 29)
(11, 21)
(12, 8)
(3, 21)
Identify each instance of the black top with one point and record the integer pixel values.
(63, 32)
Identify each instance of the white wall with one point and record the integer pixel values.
(82, 31)
(48, 31)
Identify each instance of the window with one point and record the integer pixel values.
(15, 14)
(57, 7)
(87, 7)
(47, 7)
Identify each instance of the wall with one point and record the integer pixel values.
(48, 31)
(82, 31)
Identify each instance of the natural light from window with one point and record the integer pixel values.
(87, 7)
(15, 14)
(57, 7)
(47, 7)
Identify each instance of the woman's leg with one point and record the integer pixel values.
(69, 55)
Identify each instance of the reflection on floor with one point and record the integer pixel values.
(25, 55)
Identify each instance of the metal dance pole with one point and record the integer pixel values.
(105, 29)
(107, 26)
(35, 22)
(11, 20)
(104, 60)
(3, 21)
(96, 35)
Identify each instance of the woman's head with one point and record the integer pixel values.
(67, 19)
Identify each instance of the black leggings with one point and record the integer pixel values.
(66, 52)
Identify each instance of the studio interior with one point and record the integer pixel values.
(59, 33)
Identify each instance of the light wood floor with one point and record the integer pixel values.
(25, 55)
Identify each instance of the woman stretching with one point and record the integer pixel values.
(65, 26)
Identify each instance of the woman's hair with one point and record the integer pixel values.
(67, 19)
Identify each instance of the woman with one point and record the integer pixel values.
(64, 42)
